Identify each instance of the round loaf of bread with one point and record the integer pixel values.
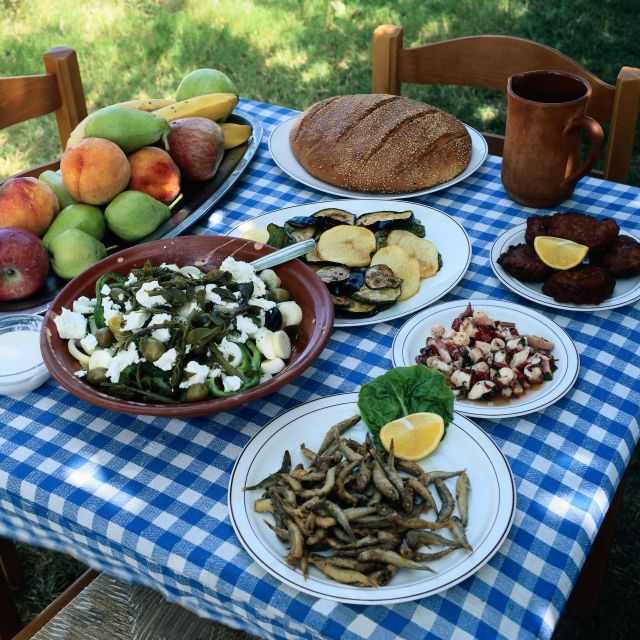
(380, 143)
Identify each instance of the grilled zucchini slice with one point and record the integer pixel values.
(386, 220)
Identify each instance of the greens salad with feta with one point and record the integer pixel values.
(170, 334)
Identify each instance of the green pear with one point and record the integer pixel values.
(76, 216)
(132, 215)
(73, 251)
(54, 180)
(204, 81)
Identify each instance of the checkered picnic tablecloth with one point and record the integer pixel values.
(144, 498)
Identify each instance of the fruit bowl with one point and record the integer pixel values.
(205, 252)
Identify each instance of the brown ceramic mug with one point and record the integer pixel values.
(545, 116)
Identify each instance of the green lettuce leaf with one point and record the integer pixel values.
(402, 391)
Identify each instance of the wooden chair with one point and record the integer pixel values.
(58, 90)
(487, 61)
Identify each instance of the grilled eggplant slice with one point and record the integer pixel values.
(341, 301)
(300, 222)
(333, 273)
(404, 266)
(299, 233)
(380, 276)
(386, 220)
(385, 297)
(353, 283)
(357, 309)
(327, 218)
(348, 245)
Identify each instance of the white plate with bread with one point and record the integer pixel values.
(446, 240)
(377, 146)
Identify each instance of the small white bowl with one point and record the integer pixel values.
(19, 381)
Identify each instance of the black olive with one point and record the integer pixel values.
(273, 319)
(246, 289)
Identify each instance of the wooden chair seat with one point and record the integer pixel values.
(487, 61)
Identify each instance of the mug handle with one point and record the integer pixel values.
(596, 138)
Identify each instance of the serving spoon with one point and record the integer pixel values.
(284, 255)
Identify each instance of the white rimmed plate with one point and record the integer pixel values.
(627, 290)
(282, 155)
(465, 445)
(448, 235)
(413, 335)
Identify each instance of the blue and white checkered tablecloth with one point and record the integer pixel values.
(144, 498)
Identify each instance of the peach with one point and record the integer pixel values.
(154, 172)
(95, 171)
(27, 203)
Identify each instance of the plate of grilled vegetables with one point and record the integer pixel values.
(570, 261)
(322, 506)
(380, 260)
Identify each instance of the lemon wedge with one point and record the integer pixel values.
(414, 436)
(559, 253)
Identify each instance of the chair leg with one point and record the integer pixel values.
(585, 596)
(9, 620)
(11, 564)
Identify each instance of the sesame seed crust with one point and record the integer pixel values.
(380, 143)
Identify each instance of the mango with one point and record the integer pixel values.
(130, 129)
(203, 81)
(95, 171)
(54, 180)
(73, 251)
(132, 215)
(76, 216)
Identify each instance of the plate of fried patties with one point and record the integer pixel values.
(608, 278)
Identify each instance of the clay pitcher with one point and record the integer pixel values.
(545, 116)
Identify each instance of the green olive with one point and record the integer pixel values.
(97, 376)
(197, 392)
(151, 349)
(115, 324)
(280, 295)
(104, 337)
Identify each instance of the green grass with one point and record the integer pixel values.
(294, 53)
(284, 51)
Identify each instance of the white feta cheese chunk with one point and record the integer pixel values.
(144, 297)
(215, 373)
(264, 342)
(240, 271)
(272, 366)
(131, 279)
(231, 351)
(80, 373)
(100, 359)
(199, 373)
(84, 305)
(259, 287)
(109, 308)
(89, 343)
(191, 272)
(121, 361)
(166, 360)
(106, 290)
(134, 321)
(231, 383)
(210, 295)
(71, 325)
(263, 303)
(170, 267)
(246, 326)
(162, 335)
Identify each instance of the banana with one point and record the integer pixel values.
(214, 106)
(235, 134)
(148, 104)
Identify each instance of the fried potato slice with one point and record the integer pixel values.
(424, 251)
(348, 245)
(404, 266)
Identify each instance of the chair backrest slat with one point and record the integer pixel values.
(26, 97)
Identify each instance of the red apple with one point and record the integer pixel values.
(196, 146)
(24, 264)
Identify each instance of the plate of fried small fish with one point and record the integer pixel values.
(321, 509)
(608, 278)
